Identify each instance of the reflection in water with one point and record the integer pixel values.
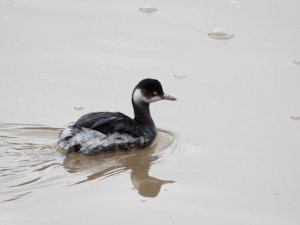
(146, 185)
(30, 163)
(138, 162)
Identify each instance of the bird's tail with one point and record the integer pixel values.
(73, 139)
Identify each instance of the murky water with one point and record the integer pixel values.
(30, 163)
(234, 68)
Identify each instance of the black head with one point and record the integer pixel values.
(149, 90)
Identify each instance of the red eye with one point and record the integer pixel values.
(154, 93)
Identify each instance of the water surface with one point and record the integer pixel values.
(235, 157)
(31, 163)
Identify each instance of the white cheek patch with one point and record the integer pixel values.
(139, 97)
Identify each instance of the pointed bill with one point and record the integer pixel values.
(168, 97)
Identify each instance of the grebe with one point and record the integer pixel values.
(99, 132)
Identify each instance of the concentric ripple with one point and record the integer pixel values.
(30, 162)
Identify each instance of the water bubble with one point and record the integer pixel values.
(148, 9)
(297, 62)
(220, 33)
(78, 108)
(179, 76)
(295, 117)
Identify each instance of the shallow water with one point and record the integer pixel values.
(31, 163)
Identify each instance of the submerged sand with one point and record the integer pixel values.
(228, 151)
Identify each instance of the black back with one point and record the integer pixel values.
(108, 123)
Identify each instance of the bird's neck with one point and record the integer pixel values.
(142, 113)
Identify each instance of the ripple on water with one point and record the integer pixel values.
(148, 9)
(295, 117)
(30, 163)
(179, 76)
(297, 62)
(220, 33)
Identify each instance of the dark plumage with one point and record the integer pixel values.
(108, 123)
(99, 132)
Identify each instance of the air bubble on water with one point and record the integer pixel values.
(220, 33)
(179, 76)
(148, 9)
(78, 108)
(295, 117)
(297, 62)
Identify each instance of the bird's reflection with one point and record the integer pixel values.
(138, 162)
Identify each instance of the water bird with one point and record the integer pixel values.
(100, 132)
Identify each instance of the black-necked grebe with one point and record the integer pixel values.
(100, 132)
